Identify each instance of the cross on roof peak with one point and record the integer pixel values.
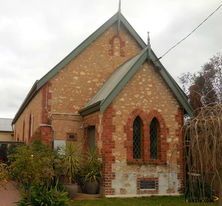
(119, 9)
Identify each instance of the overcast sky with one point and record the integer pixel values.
(36, 34)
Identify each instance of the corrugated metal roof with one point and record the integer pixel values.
(5, 124)
(122, 75)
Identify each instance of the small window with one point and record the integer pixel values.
(154, 136)
(137, 138)
(72, 136)
(148, 184)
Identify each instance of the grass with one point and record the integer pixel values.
(143, 201)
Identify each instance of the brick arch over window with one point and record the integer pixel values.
(154, 138)
(163, 131)
(162, 144)
(129, 132)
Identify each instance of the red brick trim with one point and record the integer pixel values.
(122, 45)
(46, 103)
(108, 144)
(180, 147)
(147, 191)
(129, 132)
(43, 133)
(163, 146)
(23, 131)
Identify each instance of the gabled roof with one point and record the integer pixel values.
(39, 84)
(5, 125)
(123, 74)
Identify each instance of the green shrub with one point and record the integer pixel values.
(92, 167)
(3, 174)
(33, 165)
(71, 158)
(45, 196)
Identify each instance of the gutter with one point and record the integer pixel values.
(90, 109)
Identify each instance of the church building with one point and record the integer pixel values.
(112, 93)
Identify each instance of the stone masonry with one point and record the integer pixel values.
(53, 114)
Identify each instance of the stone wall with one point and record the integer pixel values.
(148, 96)
(76, 83)
(79, 81)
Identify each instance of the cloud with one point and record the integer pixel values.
(36, 35)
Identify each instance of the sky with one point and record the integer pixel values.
(36, 34)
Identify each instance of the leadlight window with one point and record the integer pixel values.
(137, 138)
(154, 136)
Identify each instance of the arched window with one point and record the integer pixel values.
(137, 138)
(154, 138)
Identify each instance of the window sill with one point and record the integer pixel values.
(145, 162)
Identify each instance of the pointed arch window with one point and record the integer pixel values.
(137, 138)
(154, 138)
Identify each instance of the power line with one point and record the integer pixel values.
(171, 48)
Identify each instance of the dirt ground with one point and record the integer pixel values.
(9, 195)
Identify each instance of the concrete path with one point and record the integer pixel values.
(9, 195)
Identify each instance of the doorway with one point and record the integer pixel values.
(91, 137)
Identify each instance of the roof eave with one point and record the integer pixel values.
(87, 42)
(6, 131)
(76, 52)
(28, 98)
(107, 101)
(90, 109)
(179, 94)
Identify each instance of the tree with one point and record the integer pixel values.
(204, 87)
(203, 154)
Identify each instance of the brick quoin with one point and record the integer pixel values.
(108, 145)
(162, 144)
(43, 133)
(180, 147)
(46, 107)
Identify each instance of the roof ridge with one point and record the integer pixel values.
(84, 44)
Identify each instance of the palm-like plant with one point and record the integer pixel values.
(93, 166)
(72, 158)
